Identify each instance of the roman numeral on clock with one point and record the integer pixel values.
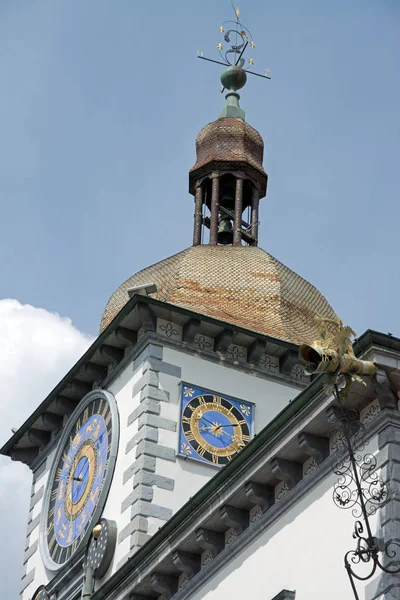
(189, 436)
(52, 540)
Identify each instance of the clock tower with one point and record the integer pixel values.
(195, 356)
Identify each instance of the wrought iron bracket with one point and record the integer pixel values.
(360, 489)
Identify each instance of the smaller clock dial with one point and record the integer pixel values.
(101, 547)
(41, 594)
(213, 428)
(78, 480)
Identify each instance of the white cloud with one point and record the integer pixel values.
(37, 348)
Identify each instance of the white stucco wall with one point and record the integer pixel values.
(121, 388)
(35, 561)
(301, 551)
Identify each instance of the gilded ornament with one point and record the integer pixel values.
(97, 530)
(188, 392)
(332, 353)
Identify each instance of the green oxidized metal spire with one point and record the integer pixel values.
(233, 79)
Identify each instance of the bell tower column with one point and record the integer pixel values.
(255, 201)
(214, 209)
(237, 225)
(198, 216)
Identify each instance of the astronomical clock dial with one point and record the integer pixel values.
(80, 478)
(213, 428)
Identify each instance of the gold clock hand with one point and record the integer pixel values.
(210, 429)
(228, 434)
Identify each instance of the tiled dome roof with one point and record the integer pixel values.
(241, 285)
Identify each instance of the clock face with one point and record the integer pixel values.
(80, 477)
(213, 428)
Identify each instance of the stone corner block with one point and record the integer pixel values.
(152, 479)
(145, 463)
(153, 393)
(145, 433)
(146, 406)
(156, 450)
(148, 509)
(138, 539)
(30, 551)
(156, 421)
(27, 579)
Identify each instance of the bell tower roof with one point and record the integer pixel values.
(229, 143)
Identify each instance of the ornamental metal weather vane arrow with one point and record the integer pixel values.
(233, 56)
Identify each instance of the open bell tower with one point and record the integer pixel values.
(228, 179)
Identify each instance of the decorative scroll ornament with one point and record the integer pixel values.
(360, 489)
(332, 353)
(234, 47)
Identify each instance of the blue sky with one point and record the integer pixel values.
(101, 105)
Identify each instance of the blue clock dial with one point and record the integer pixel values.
(78, 478)
(213, 428)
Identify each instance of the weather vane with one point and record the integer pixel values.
(237, 39)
